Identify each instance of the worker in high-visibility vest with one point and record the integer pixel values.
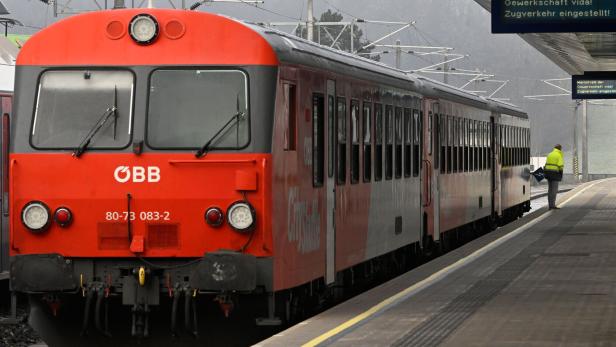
(554, 165)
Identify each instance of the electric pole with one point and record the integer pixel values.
(585, 141)
(576, 166)
(398, 55)
(445, 70)
(310, 35)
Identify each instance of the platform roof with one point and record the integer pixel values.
(573, 52)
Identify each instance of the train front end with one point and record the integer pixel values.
(140, 165)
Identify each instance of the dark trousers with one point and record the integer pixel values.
(552, 191)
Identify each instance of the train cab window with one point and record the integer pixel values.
(290, 129)
(416, 142)
(378, 142)
(354, 141)
(408, 139)
(367, 140)
(318, 140)
(341, 140)
(398, 142)
(70, 104)
(208, 102)
(389, 140)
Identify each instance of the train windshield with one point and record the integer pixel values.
(188, 107)
(70, 103)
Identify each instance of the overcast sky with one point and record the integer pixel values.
(460, 24)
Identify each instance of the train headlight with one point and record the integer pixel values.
(241, 216)
(36, 217)
(143, 28)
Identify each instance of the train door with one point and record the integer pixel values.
(496, 169)
(330, 184)
(431, 155)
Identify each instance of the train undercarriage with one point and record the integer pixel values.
(126, 299)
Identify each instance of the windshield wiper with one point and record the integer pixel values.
(239, 115)
(99, 125)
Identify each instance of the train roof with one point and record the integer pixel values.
(95, 38)
(293, 49)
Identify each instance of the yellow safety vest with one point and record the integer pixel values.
(555, 161)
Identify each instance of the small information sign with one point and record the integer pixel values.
(553, 16)
(594, 86)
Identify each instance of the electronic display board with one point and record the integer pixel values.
(594, 86)
(553, 16)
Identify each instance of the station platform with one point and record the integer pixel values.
(546, 279)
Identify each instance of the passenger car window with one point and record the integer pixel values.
(378, 142)
(354, 141)
(367, 140)
(318, 140)
(341, 141)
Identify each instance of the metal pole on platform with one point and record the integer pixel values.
(310, 27)
(576, 165)
(585, 141)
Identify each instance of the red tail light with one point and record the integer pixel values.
(214, 216)
(63, 217)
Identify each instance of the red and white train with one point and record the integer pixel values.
(158, 156)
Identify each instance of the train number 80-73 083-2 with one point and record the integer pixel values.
(142, 216)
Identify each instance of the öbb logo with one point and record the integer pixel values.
(137, 174)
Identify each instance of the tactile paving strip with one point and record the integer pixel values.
(436, 329)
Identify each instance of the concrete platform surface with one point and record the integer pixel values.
(547, 279)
